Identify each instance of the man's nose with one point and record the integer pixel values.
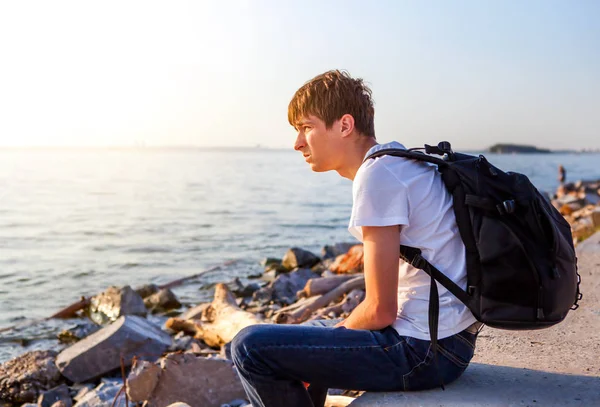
(300, 142)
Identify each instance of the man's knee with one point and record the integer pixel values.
(246, 341)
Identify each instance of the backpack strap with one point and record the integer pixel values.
(398, 152)
(413, 256)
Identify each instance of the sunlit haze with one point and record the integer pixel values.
(221, 73)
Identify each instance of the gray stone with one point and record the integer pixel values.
(50, 397)
(331, 252)
(296, 257)
(25, 377)
(128, 337)
(78, 332)
(103, 396)
(241, 290)
(163, 300)
(491, 386)
(287, 285)
(197, 381)
(147, 290)
(268, 261)
(264, 295)
(114, 303)
(142, 380)
(79, 390)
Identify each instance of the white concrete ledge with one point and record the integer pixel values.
(492, 386)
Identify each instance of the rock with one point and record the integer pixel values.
(592, 198)
(331, 252)
(178, 404)
(100, 352)
(142, 380)
(25, 377)
(103, 396)
(79, 390)
(62, 403)
(269, 261)
(351, 262)
(163, 300)
(114, 303)
(322, 266)
(147, 290)
(241, 290)
(197, 381)
(287, 285)
(296, 257)
(582, 228)
(77, 332)
(183, 342)
(264, 295)
(271, 275)
(57, 394)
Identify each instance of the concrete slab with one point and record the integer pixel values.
(494, 386)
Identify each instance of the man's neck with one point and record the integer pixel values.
(355, 155)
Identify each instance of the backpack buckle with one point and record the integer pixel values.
(419, 262)
(507, 207)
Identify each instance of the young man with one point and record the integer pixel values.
(384, 344)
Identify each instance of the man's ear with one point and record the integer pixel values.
(346, 125)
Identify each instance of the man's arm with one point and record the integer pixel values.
(381, 259)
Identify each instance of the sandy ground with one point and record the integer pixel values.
(572, 346)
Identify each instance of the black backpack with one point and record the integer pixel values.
(521, 264)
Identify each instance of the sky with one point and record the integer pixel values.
(221, 73)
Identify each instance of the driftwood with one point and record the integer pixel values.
(301, 314)
(322, 285)
(348, 304)
(220, 321)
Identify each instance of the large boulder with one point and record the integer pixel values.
(114, 303)
(296, 257)
(128, 337)
(197, 381)
(25, 377)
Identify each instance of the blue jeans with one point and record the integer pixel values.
(274, 360)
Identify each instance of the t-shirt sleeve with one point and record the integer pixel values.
(379, 199)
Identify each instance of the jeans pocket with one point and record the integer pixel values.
(454, 355)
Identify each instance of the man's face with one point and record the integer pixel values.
(318, 145)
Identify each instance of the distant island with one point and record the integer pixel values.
(516, 148)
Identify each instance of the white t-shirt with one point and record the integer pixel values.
(396, 191)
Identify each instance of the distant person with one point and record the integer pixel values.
(384, 344)
(562, 174)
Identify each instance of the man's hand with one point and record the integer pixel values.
(381, 257)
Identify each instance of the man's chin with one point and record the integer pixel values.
(317, 168)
